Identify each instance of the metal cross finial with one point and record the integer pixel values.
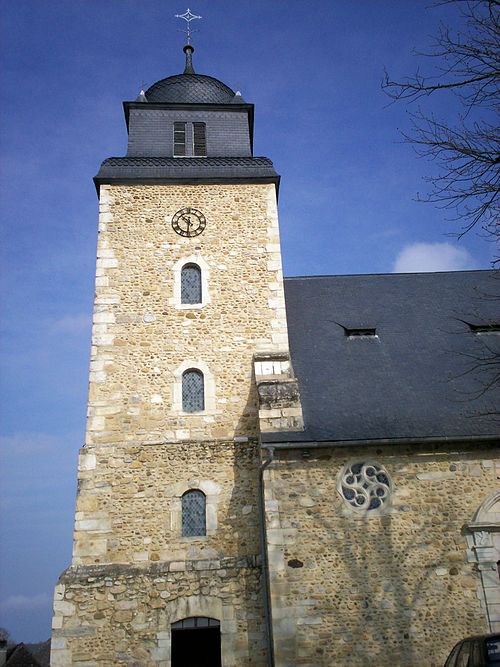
(188, 17)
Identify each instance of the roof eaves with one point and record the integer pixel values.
(290, 440)
(191, 180)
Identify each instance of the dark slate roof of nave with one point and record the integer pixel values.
(414, 379)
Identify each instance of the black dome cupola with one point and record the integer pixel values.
(191, 88)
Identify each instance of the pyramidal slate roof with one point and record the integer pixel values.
(419, 376)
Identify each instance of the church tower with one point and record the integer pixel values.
(189, 329)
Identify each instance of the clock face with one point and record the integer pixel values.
(189, 222)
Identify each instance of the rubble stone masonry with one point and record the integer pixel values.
(141, 336)
(397, 587)
(133, 574)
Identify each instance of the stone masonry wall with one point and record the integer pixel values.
(390, 588)
(134, 573)
(128, 503)
(140, 335)
(119, 615)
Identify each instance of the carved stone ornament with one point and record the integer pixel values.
(482, 538)
(364, 485)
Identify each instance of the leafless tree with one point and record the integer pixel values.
(5, 636)
(467, 151)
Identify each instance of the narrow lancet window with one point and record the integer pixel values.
(179, 139)
(194, 521)
(191, 284)
(199, 140)
(193, 391)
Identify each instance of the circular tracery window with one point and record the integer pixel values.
(365, 486)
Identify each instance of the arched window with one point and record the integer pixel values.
(191, 284)
(194, 519)
(193, 391)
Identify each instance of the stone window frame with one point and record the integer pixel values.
(198, 261)
(209, 386)
(200, 605)
(212, 492)
(485, 555)
(361, 512)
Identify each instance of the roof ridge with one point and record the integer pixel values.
(390, 273)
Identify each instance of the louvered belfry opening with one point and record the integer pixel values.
(199, 140)
(199, 144)
(194, 514)
(193, 391)
(179, 139)
(190, 284)
(196, 643)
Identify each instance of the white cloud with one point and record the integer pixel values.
(31, 463)
(73, 323)
(420, 257)
(22, 602)
(31, 443)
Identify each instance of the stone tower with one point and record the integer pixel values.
(189, 329)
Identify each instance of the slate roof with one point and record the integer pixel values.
(415, 379)
(19, 656)
(165, 168)
(190, 89)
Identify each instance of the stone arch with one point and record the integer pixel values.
(483, 539)
(199, 605)
(490, 509)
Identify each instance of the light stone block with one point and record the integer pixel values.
(64, 608)
(60, 658)
(87, 462)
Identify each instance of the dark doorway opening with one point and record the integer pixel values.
(196, 643)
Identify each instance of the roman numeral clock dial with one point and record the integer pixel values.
(188, 222)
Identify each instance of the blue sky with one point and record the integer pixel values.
(347, 200)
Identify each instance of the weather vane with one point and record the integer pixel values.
(188, 17)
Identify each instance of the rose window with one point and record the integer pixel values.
(365, 486)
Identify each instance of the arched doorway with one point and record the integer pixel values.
(196, 642)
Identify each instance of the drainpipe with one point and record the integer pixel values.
(265, 561)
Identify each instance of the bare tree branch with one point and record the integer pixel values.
(467, 151)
